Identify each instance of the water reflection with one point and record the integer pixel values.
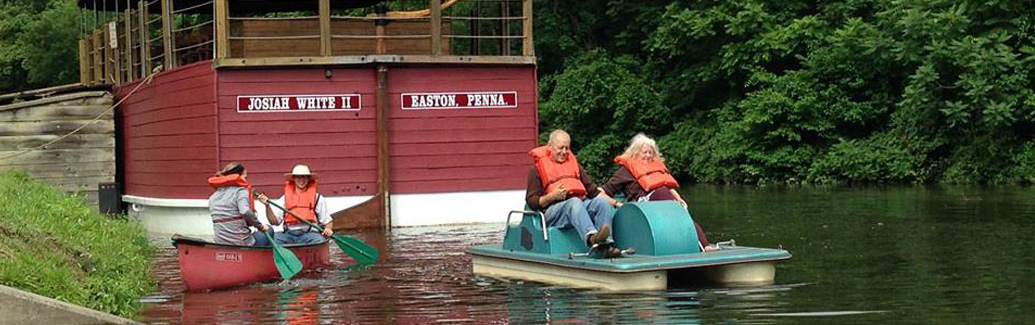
(870, 255)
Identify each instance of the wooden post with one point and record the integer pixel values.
(325, 27)
(116, 52)
(108, 78)
(528, 48)
(384, 183)
(167, 41)
(505, 28)
(436, 26)
(128, 51)
(222, 29)
(98, 58)
(145, 39)
(379, 31)
(84, 68)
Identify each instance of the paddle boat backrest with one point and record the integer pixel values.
(532, 235)
(655, 228)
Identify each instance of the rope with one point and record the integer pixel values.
(95, 119)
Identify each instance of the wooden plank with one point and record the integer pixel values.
(97, 55)
(466, 135)
(321, 166)
(184, 192)
(109, 77)
(61, 155)
(440, 186)
(70, 142)
(167, 154)
(169, 114)
(299, 153)
(295, 127)
(421, 149)
(56, 127)
(435, 6)
(171, 141)
(332, 139)
(325, 27)
(144, 38)
(461, 122)
(191, 165)
(72, 171)
(505, 27)
(462, 160)
(167, 37)
(39, 167)
(128, 48)
(373, 59)
(84, 55)
(55, 113)
(182, 126)
(527, 46)
(222, 29)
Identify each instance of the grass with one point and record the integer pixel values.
(56, 245)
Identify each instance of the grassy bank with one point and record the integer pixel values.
(55, 245)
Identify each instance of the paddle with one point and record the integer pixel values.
(357, 249)
(287, 263)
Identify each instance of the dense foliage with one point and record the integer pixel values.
(753, 91)
(914, 91)
(55, 245)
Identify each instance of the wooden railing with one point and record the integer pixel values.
(141, 41)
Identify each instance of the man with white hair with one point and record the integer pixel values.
(561, 189)
(301, 198)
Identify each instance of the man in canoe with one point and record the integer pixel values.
(233, 209)
(300, 197)
(643, 176)
(561, 189)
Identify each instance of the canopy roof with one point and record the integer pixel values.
(236, 6)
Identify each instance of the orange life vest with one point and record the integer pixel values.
(650, 175)
(554, 174)
(233, 180)
(301, 203)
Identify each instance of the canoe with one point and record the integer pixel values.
(206, 266)
(662, 235)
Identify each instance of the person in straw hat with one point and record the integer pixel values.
(301, 198)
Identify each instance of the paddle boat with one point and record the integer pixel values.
(659, 244)
(205, 265)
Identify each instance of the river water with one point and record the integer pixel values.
(938, 255)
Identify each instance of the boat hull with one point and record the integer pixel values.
(207, 266)
(732, 266)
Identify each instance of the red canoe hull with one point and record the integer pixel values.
(206, 266)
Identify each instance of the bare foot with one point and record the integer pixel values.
(712, 248)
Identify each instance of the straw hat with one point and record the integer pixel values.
(300, 170)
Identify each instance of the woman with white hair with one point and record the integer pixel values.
(643, 176)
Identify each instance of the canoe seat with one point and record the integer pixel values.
(529, 235)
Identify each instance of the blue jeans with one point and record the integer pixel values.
(586, 216)
(298, 237)
(260, 239)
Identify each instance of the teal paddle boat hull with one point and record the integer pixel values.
(666, 247)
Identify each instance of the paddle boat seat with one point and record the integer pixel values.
(651, 228)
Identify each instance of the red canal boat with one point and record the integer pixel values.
(413, 112)
(206, 266)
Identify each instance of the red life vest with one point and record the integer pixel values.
(554, 174)
(233, 180)
(650, 175)
(301, 203)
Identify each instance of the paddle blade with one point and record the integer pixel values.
(287, 263)
(357, 249)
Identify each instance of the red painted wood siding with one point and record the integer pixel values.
(339, 146)
(168, 132)
(451, 150)
(185, 125)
